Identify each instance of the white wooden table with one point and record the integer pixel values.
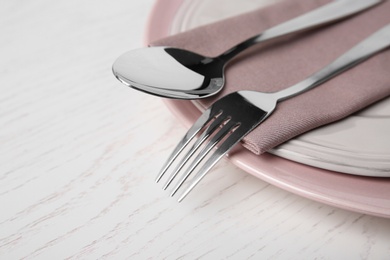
(79, 153)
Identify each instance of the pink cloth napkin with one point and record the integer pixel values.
(272, 68)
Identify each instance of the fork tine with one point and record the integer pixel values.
(226, 129)
(208, 131)
(196, 127)
(226, 146)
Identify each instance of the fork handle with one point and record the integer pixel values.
(375, 43)
(331, 12)
(326, 14)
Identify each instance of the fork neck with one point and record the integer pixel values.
(298, 88)
(343, 63)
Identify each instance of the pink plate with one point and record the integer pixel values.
(369, 195)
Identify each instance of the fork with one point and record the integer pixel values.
(225, 123)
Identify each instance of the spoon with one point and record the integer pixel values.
(181, 74)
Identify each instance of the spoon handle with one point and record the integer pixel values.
(326, 14)
(375, 43)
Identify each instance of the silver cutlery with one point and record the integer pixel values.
(232, 117)
(177, 73)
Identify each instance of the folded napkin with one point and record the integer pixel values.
(269, 68)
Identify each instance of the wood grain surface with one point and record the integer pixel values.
(79, 153)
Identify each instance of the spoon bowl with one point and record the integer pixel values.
(173, 72)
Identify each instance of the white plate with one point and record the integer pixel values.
(357, 145)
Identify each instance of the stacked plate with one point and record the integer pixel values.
(343, 164)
